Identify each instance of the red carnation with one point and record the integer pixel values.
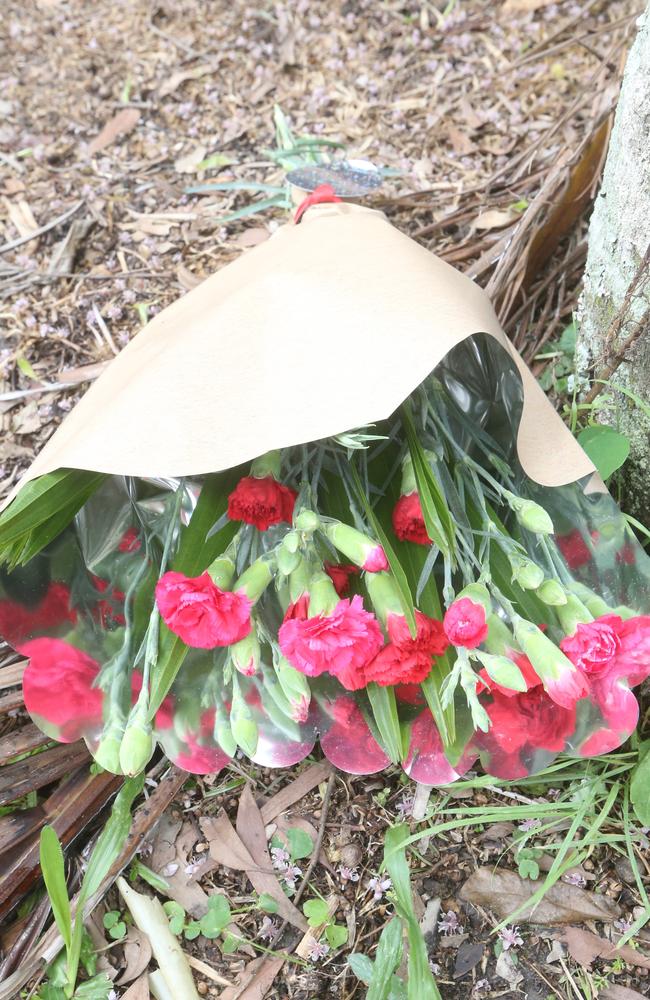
(18, 622)
(408, 522)
(407, 660)
(58, 689)
(129, 541)
(339, 574)
(200, 613)
(348, 743)
(465, 623)
(341, 643)
(574, 548)
(261, 501)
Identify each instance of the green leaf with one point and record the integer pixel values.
(336, 935)
(26, 368)
(640, 785)
(362, 967)
(267, 903)
(117, 931)
(229, 944)
(97, 988)
(192, 930)
(387, 959)
(528, 868)
(421, 984)
(138, 869)
(606, 448)
(53, 868)
(217, 917)
(110, 919)
(111, 839)
(437, 518)
(300, 843)
(384, 709)
(316, 911)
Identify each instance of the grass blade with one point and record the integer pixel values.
(53, 868)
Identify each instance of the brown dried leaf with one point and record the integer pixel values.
(495, 218)
(139, 990)
(255, 980)
(250, 829)
(503, 892)
(296, 790)
(188, 162)
(620, 993)
(227, 849)
(181, 77)
(137, 955)
(121, 123)
(524, 6)
(172, 847)
(460, 141)
(584, 947)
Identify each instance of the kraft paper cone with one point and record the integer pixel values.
(326, 327)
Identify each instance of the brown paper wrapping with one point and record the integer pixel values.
(325, 327)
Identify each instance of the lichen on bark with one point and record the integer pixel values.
(619, 235)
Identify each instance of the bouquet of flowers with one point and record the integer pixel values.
(321, 497)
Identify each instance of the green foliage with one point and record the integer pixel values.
(211, 925)
(640, 785)
(606, 447)
(317, 913)
(114, 924)
(106, 850)
(299, 842)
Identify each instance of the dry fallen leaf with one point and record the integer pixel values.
(296, 790)
(255, 980)
(620, 993)
(495, 218)
(188, 162)
(139, 990)
(524, 6)
(121, 123)
(170, 858)
(584, 947)
(177, 79)
(506, 969)
(226, 848)
(503, 892)
(137, 955)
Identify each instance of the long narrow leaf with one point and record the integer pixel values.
(387, 958)
(384, 710)
(53, 868)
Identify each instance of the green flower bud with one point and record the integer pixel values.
(267, 465)
(526, 573)
(322, 595)
(255, 579)
(478, 593)
(223, 733)
(384, 595)
(246, 653)
(593, 603)
(137, 743)
(360, 549)
(222, 571)
(502, 671)
(242, 724)
(531, 516)
(107, 753)
(499, 637)
(307, 520)
(573, 613)
(295, 688)
(291, 541)
(409, 482)
(562, 681)
(552, 593)
(287, 560)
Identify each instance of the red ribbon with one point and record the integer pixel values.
(320, 195)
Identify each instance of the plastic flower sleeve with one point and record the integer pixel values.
(400, 590)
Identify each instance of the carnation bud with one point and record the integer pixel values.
(287, 560)
(137, 743)
(531, 516)
(295, 688)
(409, 482)
(561, 679)
(222, 571)
(552, 593)
(573, 613)
(242, 724)
(255, 579)
(291, 542)
(502, 671)
(478, 593)
(268, 464)
(593, 603)
(357, 547)
(246, 654)
(384, 595)
(526, 573)
(307, 520)
(322, 595)
(107, 753)
(223, 733)
(499, 637)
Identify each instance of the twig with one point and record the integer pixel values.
(42, 229)
(618, 355)
(314, 856)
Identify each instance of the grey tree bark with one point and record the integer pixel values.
(610, 314)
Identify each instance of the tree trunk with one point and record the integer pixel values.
(613, 307)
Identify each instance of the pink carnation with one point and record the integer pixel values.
(594, 645)
(201, 614)
(465, 623)
(341, 643)
(375, 561)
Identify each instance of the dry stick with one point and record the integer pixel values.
(314, 854)
(42, 229)
(618, 356)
